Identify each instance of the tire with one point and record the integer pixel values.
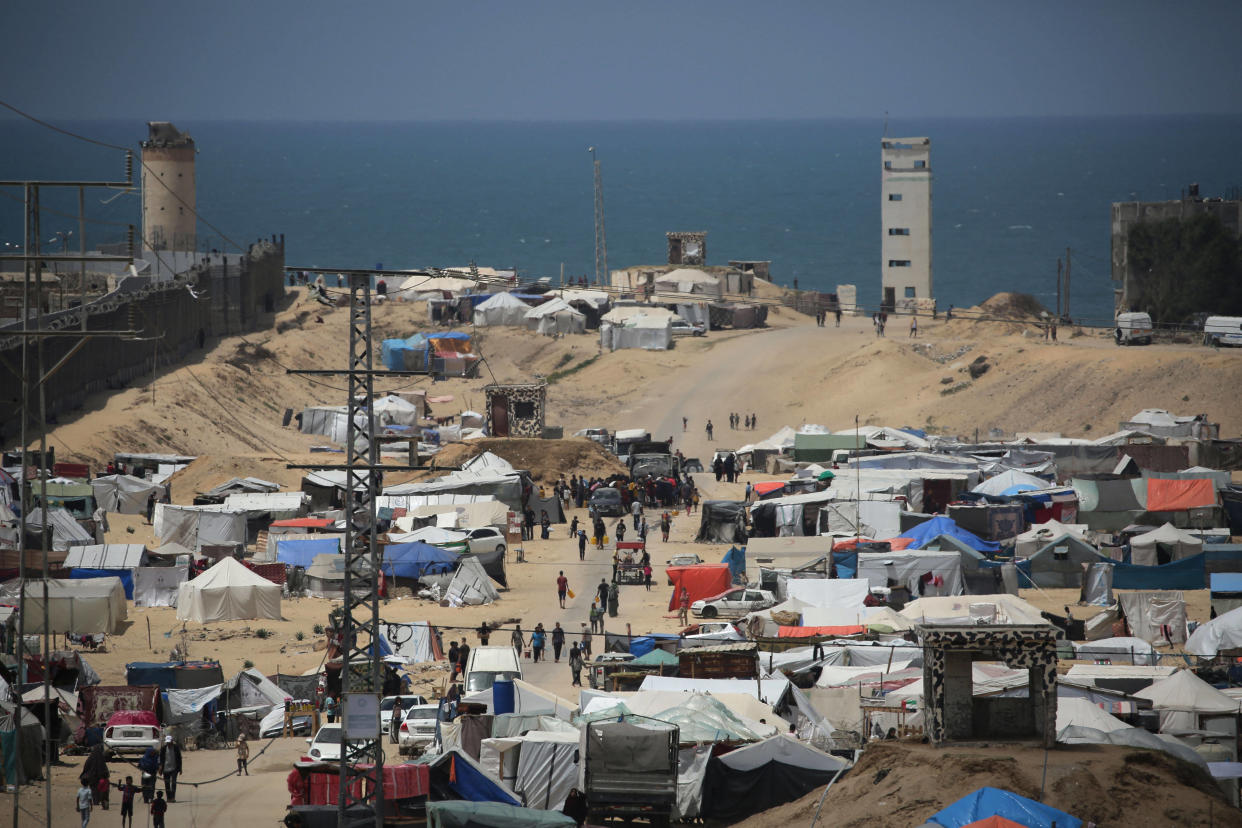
(500, 547)
(709, 611)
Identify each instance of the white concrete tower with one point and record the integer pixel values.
(168, 221)
(906, 223)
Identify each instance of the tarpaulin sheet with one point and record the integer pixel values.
(97, 704)
(987, 802)
(414, 560)
(807, 632)
(302, 552)
(1188, 573)
(940, 525)
(1155, 617)
(186, 702)
(156, 586)
(701, 581)
(126, 577)
(829, 592)
(1179, 495)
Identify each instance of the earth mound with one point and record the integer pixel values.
(546, 460)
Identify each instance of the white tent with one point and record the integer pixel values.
(1005, 481)
(422, 286)
(393, 410)
(227, 592)
(501, 309)
(1041, 534)
(547, 768)
(197, 526)
(1075, 712)
(106, 556)
(623, 313)
(781, 748)
(1187, 693)
(689, 280)
(1117, 651)
(652, 333)
(837, 593)
(908, 566)
(66, 532)
(555, 316)
(158, 586)
(971, 609)
(470, 585)
(596, 299)
(1224, 632)
(1144, 548)
(124, 493)
(93, 605)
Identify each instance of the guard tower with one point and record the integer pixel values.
(168, 221)
(688, 248)
(905, 222)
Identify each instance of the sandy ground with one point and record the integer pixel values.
(227, 405)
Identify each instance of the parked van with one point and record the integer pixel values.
(1133, 329)
(487, 664)
(1222, 330)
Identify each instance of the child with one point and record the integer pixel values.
(158, 808)
(243, 750)
(85, 800)
(128, 789)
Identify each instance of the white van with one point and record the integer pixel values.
(1133, 329)
(486, 664)
(1222, 330)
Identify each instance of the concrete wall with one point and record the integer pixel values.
(232, 300)
(905, 224)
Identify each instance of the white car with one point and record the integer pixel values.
(486, 539)
(386, 707)
(326, 744)
(417, 729)
(735, 602)
(680, 327)
(131, 738)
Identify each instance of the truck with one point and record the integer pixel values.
(1222, 330)
(623, 439)
(652, 458)
(1133, 329)
(629, 771)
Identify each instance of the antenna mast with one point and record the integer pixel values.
(601, 239)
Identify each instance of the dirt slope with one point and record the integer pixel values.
(1112, 786)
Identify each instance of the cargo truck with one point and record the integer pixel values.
(630, 771)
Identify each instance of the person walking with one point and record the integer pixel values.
(914, 327)
(621, 530)
(636, 511)
(243, 749)
(149, 766)
(170, 766)
(584, 646)
(666, 523)
(562, 587)
(647, 576)
(575, 664)
(614, 599)
(642, 530)
(602, 590)
(453, 653)
(558, 642)
(581, 544)
(329, 709)
(685, 423)
(754, 421)
(837, 314)
(516, 639)
(127, 789)
(709, 430)
(484, 632)
(536, 641)
(463, 658)
(600, 532)
(86, 799)
(158, 808)
(683, 607)
(573, 526)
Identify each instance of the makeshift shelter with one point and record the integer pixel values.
(923, 572)
(227, 592)
(1060, 563)
(96, 605)
(303, 552)
(722, 521)
(555, 316)
(1163, 545)
(649, 332)
(547, 768)
(688, 280)
(470, 585)
(1187, 702)
(111, 560)
(124, 493)
(1158, 617)
(1226, 592)
(500, 309)
(701, 581)
(994, 802)
(1122, 650)
(66, 531)
(940, 525)
(973, 609)
(1222, 634)
(19, 765)
(1034, 538)
(757, 777)
(414, 560)
(158, 586)
(197, 526)
(458, 814)
(325, 577)
(1010, 483)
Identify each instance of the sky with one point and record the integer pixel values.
(555, 60)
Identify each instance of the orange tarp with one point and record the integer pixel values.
(850, 543)
(701, 581)
(768, 486)
(807, 632)
(1179, 495)
(995, 822)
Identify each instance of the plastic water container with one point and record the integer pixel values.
(502, 697)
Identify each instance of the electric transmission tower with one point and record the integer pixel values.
(601, 239)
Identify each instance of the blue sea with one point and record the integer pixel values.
(1009, 196)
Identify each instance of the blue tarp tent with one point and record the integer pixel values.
(1225, 582)
(126, 576)
(987, 802)
(941, 525)
(640, 645)
(461, 775)
(414, 560)
(1188, 573)
(405, 354)
(846, 563)
(736, 559)
(302, 552)
(162, 673)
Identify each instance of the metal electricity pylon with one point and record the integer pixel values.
(601, 238)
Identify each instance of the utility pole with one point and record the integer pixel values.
(601, 239)
(33, 378)
(1066, 300)
(1058, 289)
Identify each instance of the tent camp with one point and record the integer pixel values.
(555, 316)
(500, 309)
(1163, 545)
(227, 592)
(124, 493)
(96, 605)
(1060, 562)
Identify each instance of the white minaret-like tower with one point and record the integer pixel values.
(168, 220)
(905, 223)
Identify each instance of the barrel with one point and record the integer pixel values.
(502, 697)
